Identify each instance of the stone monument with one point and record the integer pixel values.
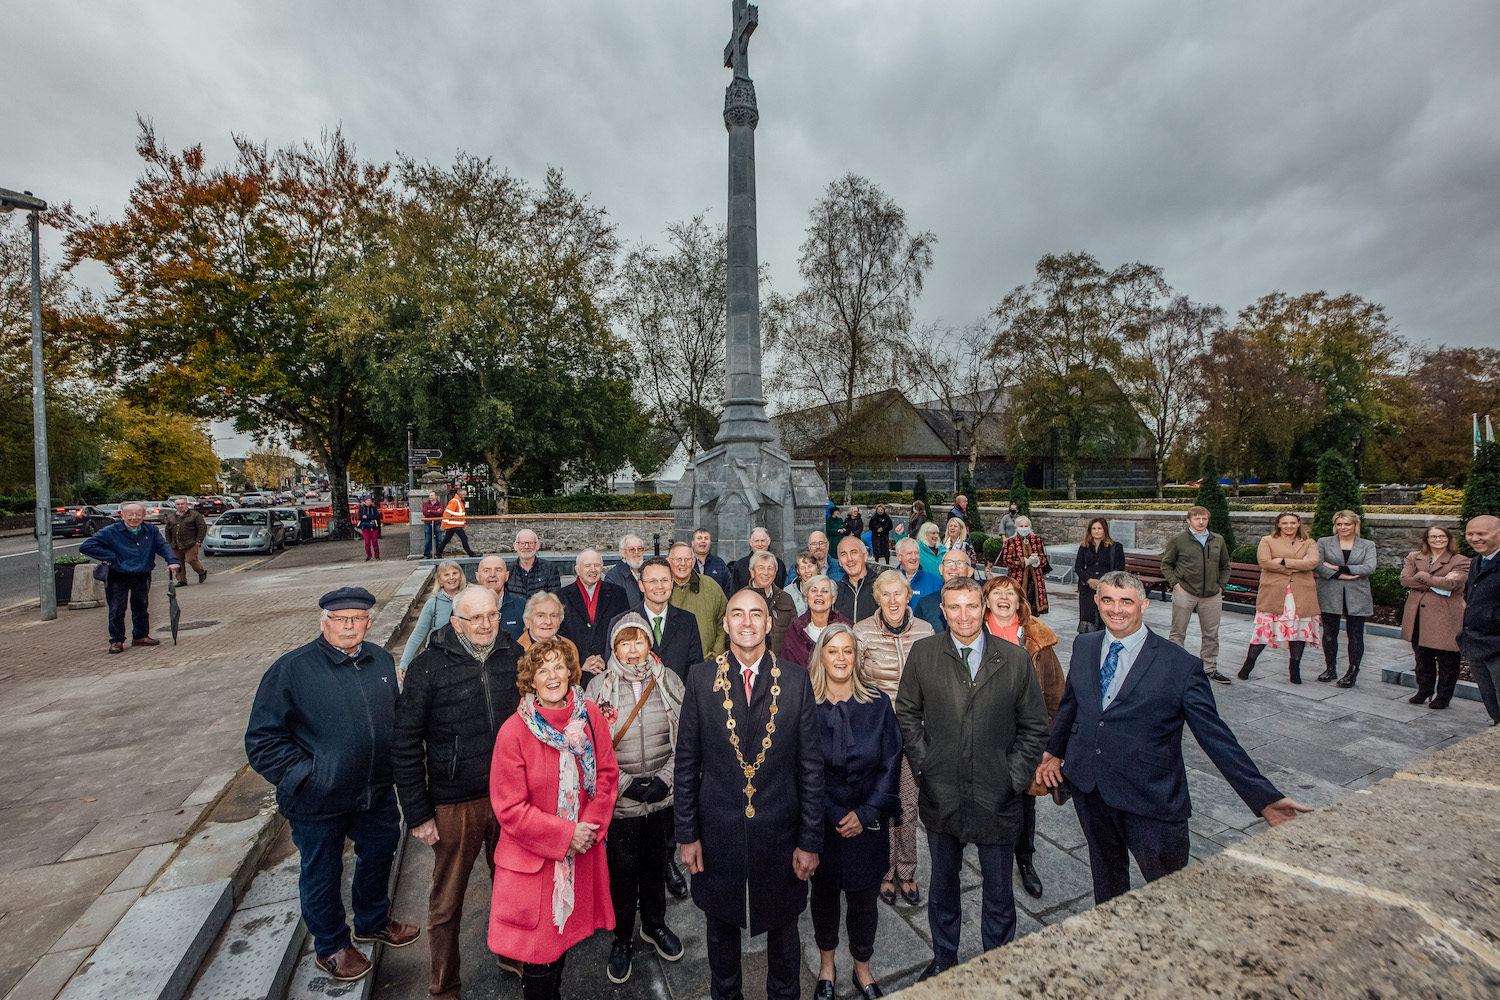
(746, 481)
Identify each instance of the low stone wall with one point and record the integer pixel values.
(1392, 891)
(1396, 535)
(557, 532)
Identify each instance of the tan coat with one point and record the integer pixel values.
(1301, 557)
(1442, 617)
(1041, 642)
(884, 655)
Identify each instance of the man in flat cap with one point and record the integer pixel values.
(320, 731)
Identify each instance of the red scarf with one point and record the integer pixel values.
(590, 602)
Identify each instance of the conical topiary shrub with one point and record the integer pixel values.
(1020, 493)
(1481, 489)
(1337, 490)
(1211, 495)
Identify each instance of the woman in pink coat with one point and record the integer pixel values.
(553, 783)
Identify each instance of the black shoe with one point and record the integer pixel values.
(1244, 673)
(933, 969)
(824, 990)
(871, 992)
(1438, 703)
(1328, 675)
(1030, 880)
(1347, 681)
(1419, 697)
(619, 962)
(1294, 674)
(888, 896)
(912, 895)
(1217, 677)
(667, 944)
(676, 881)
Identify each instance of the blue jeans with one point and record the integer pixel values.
(997, 923)
(376, 833)
(432, 535)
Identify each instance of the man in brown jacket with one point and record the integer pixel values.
(185, 530)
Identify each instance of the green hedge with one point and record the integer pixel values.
(1386, 589)
(992, 547)
(1245, 554)
(589, 503)
(18, 505)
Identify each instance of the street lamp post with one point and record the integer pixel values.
(46, 586)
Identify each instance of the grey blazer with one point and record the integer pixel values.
(1337, 596)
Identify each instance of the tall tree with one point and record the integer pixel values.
(1070, 327)
(1211, 496)
(969, 372)
(1163, 373)
(267, 467)
(486, 299)
(834, 343)
(1254, 405)
(160, 453)
(1434, 399)
(224, 276)
(672, 305)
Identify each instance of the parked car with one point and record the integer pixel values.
(112, 509)
(291, 520)
(156, 510)
(245, 530)
(252, 500)
(213, 506)
(79, 520)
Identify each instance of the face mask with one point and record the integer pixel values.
(1023, 530)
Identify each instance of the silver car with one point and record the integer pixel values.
(245, 530)
(291, 522)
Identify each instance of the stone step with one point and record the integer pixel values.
(1467, 690)
(254, 956)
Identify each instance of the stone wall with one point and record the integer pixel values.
(1334, 904)
(558, 532)
(1396, 535)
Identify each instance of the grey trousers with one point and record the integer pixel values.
(1209, 609)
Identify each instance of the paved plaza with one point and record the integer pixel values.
(1316, 742)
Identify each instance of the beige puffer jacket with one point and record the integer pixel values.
(884, 655)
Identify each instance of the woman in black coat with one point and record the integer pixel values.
(1099, 554)
(861, 772)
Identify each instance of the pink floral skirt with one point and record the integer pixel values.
(1275, 630)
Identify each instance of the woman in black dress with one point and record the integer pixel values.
(861, 772)
(1099, 554)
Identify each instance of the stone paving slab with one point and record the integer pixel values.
(220, 851)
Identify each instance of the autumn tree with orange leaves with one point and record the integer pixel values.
(226, 281)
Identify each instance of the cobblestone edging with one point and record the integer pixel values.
(1392, 891)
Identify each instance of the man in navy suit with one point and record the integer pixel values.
(1117, 739)
(1480, 638)
(678, 644)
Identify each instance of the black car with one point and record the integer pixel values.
(78, 520)
(212, 506)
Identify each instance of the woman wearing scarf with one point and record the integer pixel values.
(641, 700)
(885, 638)
(553, 782)
(958, 538)
(1024, 559)
(861, 767)
(1008, 616)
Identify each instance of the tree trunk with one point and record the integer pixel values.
(848, 484)
(1160, 479)
(500, 480)
(1072, 482)
(338, 497)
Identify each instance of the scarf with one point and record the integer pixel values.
(480, 653)
(668, 684)
(885, 626)
(572, 744)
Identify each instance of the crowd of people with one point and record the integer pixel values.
(781, 730)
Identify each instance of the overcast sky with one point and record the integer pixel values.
(1243, 148)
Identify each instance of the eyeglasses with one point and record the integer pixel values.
(493, 616)
(348, 621)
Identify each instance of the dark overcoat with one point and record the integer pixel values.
(973, 743)
(862, 774)
(1480, 638)
(709, 797)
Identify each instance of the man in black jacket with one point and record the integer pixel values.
(589, 605)
(1480, 638)
(856, 591)
(739, 570)
(675, 638)
(750, 826)
(458, 693)
(320, 731)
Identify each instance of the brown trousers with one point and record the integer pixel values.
(464, 829)
(188, 557)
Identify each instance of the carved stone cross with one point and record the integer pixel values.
(737, 52)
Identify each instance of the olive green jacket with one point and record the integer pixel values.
(1201, 570)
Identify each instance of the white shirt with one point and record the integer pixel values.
(652, 618)
(1133, 644)
(977, 657)
(754, 668)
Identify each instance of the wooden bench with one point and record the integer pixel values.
(1147, 568)
(1246, 576)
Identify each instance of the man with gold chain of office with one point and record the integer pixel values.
(748, 795)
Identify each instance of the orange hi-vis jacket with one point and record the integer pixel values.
(454, 514)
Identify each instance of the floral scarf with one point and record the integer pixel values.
(573, 744)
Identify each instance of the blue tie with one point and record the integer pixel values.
(1111, 664)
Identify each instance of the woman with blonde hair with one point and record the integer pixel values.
(1286, 605)
(1007, 616)
(885, 639)
(861, 762)
(957, 537)
(1345, 564)
(447, 582)
(930, 541)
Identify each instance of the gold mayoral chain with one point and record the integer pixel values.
(721, 683)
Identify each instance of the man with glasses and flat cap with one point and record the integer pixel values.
(320, 731)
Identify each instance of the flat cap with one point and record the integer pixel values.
(345, 598)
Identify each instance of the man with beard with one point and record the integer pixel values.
(626, 574)
(749, 799)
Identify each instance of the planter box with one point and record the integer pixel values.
(62, 579)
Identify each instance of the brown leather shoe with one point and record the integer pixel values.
(117, 647)
(347, 965)
(397, 934)
(148, 641)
